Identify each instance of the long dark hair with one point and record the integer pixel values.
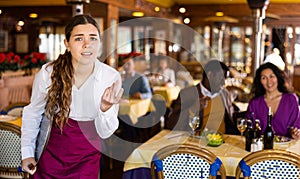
(59, 94)
(257, 87)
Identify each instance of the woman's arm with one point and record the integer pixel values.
(32, 114)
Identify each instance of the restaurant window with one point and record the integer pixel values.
(237, 48)
(297, 46)
(52, 43)
(226, 45)
(139, 36)
(215, 35)
(200, 47)
(289, 46)
(124, 40)
(248, 49)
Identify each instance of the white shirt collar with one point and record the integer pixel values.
(207, 93)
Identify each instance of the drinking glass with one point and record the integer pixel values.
(194, 122)
(241, 125)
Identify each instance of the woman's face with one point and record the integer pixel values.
(269, 80)
(84, 44)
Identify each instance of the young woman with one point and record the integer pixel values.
(74, 102)
(269, 90)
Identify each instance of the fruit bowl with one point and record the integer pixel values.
(214, 139)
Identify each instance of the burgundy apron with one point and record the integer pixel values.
(72, 154)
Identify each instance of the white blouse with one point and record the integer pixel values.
(85, 105)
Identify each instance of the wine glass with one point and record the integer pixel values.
(241, 125)
(194, 122)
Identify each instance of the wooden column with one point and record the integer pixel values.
(112, 27)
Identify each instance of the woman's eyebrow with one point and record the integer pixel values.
(83, 34)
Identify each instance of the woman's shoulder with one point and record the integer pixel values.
(290, 96)
(46, 69)
(257, 99)
(102, 66)
(106, 71)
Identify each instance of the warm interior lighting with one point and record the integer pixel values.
(156, 9)
(182, 10)
(18, 28)
(33, 15)
(219, 14)
(21, 23)
(186, 20)
(0, 11)
(138, 14)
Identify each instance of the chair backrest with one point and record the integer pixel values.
(10, 147)
(270, 164)
(17, 89)
(185, 161)
(15, 109)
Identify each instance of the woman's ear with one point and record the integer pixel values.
(66, 44)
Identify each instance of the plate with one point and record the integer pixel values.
(282, 139)
(4, 118)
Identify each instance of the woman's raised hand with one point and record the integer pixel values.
(111, 96)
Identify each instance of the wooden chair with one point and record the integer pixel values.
(10, 149)
(17, 89)
(182, 161)
(269, 164)
(15, 109)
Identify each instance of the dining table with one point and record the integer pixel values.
(167, 93)
(138, 164)
(135, 108)
(16, 120)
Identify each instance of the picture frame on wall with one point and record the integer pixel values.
(3, 41)
(22, 43)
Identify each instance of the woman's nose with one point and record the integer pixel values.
(86, 43)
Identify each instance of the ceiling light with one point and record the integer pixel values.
(186, 20)
(138, 14)
(21, 22)
(219, 14)
(182, 10)
(33, 15)
(156, 9)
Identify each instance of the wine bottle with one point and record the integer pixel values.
(257, 143)
(269, 132)
(249, 135)
(257, 129)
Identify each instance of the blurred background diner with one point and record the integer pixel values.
(160, 49)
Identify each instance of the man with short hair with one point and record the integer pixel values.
(208, 99)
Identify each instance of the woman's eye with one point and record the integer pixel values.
(272, 76)
(78, 39)
(94, 39)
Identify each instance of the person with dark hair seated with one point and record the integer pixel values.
(208, 99)
(269, 90)
(135, 84)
